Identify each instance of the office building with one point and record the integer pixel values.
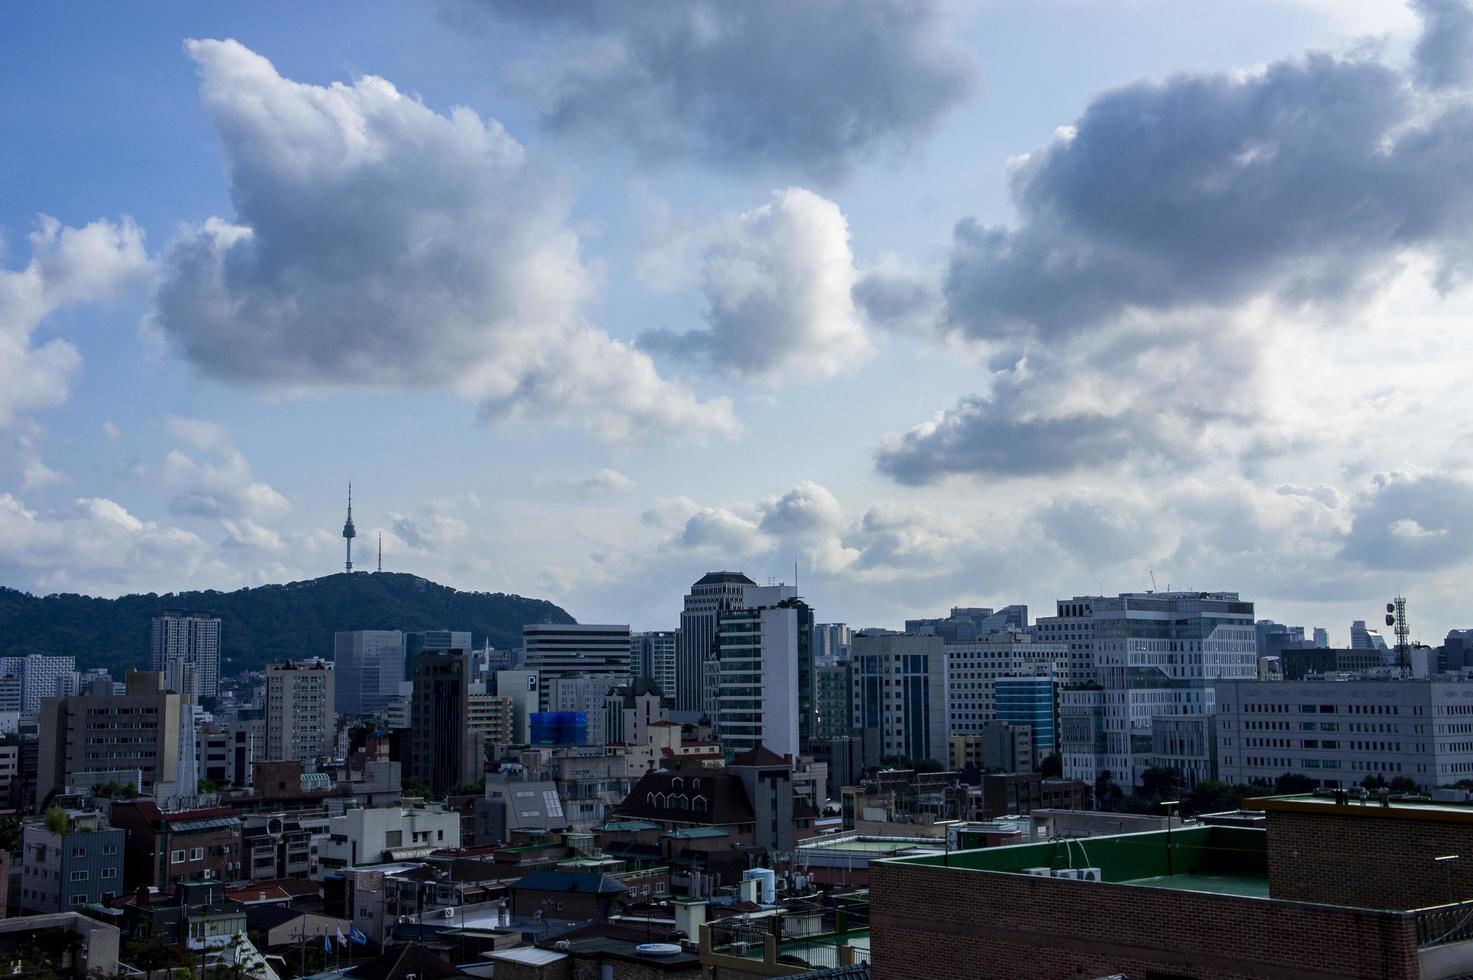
(95, 734)
(78, 864)
(1362, 638)
(973, 668)
(1341, 732)
(522, 688)
(832, 690)
(1157, 656)
(586, 694)
(187, 639)
(654, 656)
(37, 676)
(1073, 625)
(1321, 637)
(300, 715)
(443, 752)
(831, 643)
(900, 695)
(966, 624)
(1032, 702)
(1296, 664)
(564, 650)
(368, 670)
(695, 643)
(764, 651)
(418, 641)
(370, 835)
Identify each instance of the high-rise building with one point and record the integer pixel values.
(1321, 638)
(1073, 624)
(654, 656)
(490, 719)
(418, 641)
(586, 694)
(695, 643)
(831, 643)
(562, 650)
(833, 691)
(900, 694)
(368, 670)
(188, 638)
(975, 666)
(39, 676)
(968, 623)
(1034, 702)
(1157, 657)
(99, 732)
(764, 651)
(300, 715)
(1362, 638)
(524, 692)
(443, 751)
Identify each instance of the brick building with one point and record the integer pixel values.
(161, 849)
(1327, 890)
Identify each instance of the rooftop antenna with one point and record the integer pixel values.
(381, 551)
(349, 532)
(1153, 580)
(795, 576)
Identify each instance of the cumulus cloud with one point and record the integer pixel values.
(1444, 54)
(379, 243)
(428, 531)
(1412, 523)
(778, 283)
(66, 266)
(220, 484)
(815, 85)
(897, 297)
(605, 480)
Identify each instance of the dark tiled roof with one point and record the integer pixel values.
(412, 960)
(724, 795)
(265, 917)
(583, 882)
(760, 756)
(716, 578)
(859, 971)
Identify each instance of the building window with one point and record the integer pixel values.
(198, 854)
(79, 875)
(79, 899)
(177, 857)
(109, 873)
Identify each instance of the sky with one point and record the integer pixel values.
(925, 303)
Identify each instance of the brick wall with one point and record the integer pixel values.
(1368, 860)
(592, 969)
(928, 922)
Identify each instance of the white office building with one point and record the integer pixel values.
(758, 665)
(1157, 656)
(1341, 732)
(523, 690)
(191, 639)
(1073, 625)
(974, 666)
(655, 657)
(562, 650)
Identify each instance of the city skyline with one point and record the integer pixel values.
(929, 347)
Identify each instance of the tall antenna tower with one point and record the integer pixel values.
(381, 551)
(349, 532)
(1396, 617)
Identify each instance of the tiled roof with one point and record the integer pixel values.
(760, 756)
(859, 971)
(659, 796)
(583, 882)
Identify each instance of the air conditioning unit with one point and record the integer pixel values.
(448, 913)
(1067, 873)
(1039, 872)
(1090, 874)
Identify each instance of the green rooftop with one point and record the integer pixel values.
(695, 833)
(1222, 860)
(626, 826)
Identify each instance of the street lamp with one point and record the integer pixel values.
(1446, 861)
(1169, 804)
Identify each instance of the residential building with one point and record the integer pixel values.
(279, 845)
(999, 747)
(765, 662)
(695, 643)
(86, 947)
(973, 668)
(300, 712)
(38, 676)
(491, 719)
(586, 694)
(162, 849)
(1031, 702)
(368, 670)
(1340, 733)
(654, 656)
(110, 733)
(443, 752)
(1073, 625)
(900, 693)
(368, 835)
(80, 863)
(187, 638)
(515, 805)
(1157, 656)
(525, 692)
(563, 650)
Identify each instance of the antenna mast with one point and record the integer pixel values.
(381, 551)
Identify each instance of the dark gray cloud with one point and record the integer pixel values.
(1303, 181)
(1412, 523)
(816, 84)
(1096, 532)
(1444, 54)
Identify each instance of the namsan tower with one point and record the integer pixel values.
(349, 532)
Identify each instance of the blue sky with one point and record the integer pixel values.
(950, 303)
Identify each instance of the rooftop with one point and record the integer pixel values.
(1404, 807)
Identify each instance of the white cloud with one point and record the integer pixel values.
(378, 243)
(221, 485)
(778, 282)
(605, 481)
(67, 266)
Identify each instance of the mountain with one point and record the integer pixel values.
(266, 623)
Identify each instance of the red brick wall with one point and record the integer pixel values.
(928, 923)
(1368, 861)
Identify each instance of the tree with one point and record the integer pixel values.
(1374, 781)
(10, 833)
(1135, 804)
(929, 765)
(56, 821)
(1159, 782)
(896, 762)
(414, 786)
(1294, 782)
(1052, 767)
(1213, 796)
(1405, 784)
(1107, 794)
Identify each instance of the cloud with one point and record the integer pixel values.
(605, 481)
(1444, 54)
(67, 266)
(1412, 523)
(220, 485)
(897, 297)
(815, 85)
(428, 531)
(378, 243)
(778, 283)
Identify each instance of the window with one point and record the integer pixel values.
(109, 873)
(79, 875)
(197, 854)
(79, 899)
(176, 857)
(109, 849)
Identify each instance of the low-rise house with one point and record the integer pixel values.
(371, 835)
(71, 860)
(569, 895)
(163, 848)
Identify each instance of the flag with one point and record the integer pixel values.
(326, 943)
(342, 939)
(357, 936)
